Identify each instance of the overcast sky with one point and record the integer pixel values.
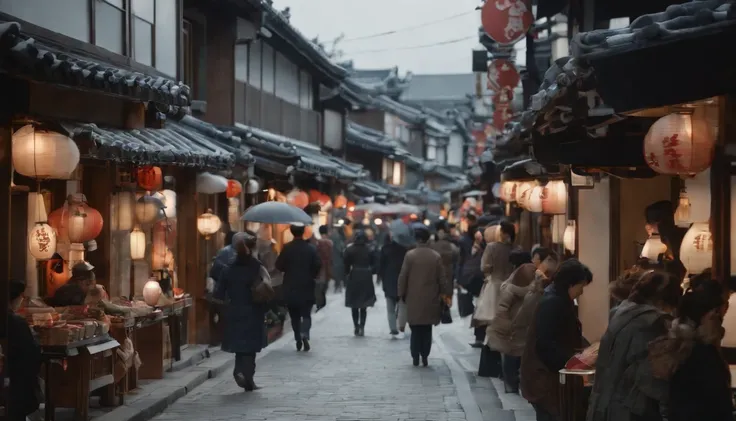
(358, 18)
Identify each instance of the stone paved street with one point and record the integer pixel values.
(342, 378)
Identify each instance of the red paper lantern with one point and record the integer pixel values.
(149, 177)
(501, 116)
(503, 97)
(297, 198)
(314, 196)
(680, 144)
(340, 201)
(76, 222)
(351, 206)
(234, 188)
(502, 74)
(506, 21)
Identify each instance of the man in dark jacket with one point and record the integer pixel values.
(392, 257)
(300, 264)
(23, 359)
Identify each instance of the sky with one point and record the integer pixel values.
(328, 19)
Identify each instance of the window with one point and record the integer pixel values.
(69, 17)
(254, 65)
(268, 69)
(305, 90)
(287, 79)
(333, 130)
(393, 172)
(431, 152)
(110, 14)
(142, 21)
(166, 30)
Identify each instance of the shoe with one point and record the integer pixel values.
(415, 361)
(251, 386)
(306, 345)
(424, 361)
(299, 345)
(361, 331)
(357, 331)
(240, 380)
(476, 344)
(394, 336)
(401, 335)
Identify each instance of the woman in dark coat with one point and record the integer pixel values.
(245, 330)
(360, 264)
(338, 264)
(392, 257)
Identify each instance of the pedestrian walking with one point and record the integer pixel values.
(470, 275)
(392, 257)
(554, 336)
(245, 330)
(447, 250)
(423, 286)
(223, 258)
(689, 357)
(324, 251)
(301, 265)
(625, 388)
(360, 264)
(339, 241)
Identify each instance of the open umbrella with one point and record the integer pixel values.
(276, 213)
(402, 234)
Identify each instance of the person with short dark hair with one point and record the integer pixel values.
(422, 286)
(300, 265)
(554, 336)
(390, 262)
(324, 250)
(23, 358)
(74, 292)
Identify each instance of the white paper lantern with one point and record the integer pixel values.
(151, 292)
(696, 251)
(534, 203)
(169, 200)
(568, 238)
(653, 248)
(508, 191)
(208, 183)
(161, 259)
(124, 204)
(43, 154)
(680, 143)
(137, 244)
(682, 213)
(523, 191)
(148, 209)
(554, 198)
(559, 224)
(208, 224)
(42, 241)
(252, 187)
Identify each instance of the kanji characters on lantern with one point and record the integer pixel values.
(680, 144)
(506, 21)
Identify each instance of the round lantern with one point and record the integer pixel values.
(152, 292)
(554, 198)
(682, 213)
(252, 186)
(234, 188)
(506, 21)
(42, 241)
(297, 198)
(523, 192)
(534, 203)
(680, 144)
(43, 154)
(351, 206)
(696, 251)
(161, 259)
(148, 209)
(502, 79)
(211, 184)
(325, 203)
(508, 191)
(169, 200)
(340, 201)
(85, 224)
(568, 238)
(314, 196)
(208, 224)
(653, 248)
(137, 244)
(149, 177)
(501, 116)
(124, 211)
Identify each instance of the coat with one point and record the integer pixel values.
(360, 264)
(553, 338)
(324, 250)
(625, 388)
(222, 260)
(471, 275)
(421, 282)
(496, 268)
(392, 257)
(338, 250)
(450, 256)
(22, 365)
(300, 264)
(507, 331)
(245, 329)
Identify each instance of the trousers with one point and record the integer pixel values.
(301, 320)
(359, 316)
(510, 367)
(245, 364)
(421, 340)
(392, 312)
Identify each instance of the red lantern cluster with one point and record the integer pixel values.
(85, 222)
(150, 178)
(234, 188)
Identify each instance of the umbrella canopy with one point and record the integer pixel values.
(402, 234)
(398, 209)
(372, 208)
(276, 213)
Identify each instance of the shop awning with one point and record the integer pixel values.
(365, 188)
(23, 56)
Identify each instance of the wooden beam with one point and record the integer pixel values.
(188, 251)
(97, 186)
(720, 184)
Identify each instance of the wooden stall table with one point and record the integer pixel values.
(178, 314)
(120, 332)
(148, 340)
(573, 393)
(75, 370)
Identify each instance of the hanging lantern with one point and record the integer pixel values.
(696, 251)
(508, 191)
(42, 241)
(534, 203)
(351, 206)
(568, 238)
(653, 248)
(43, 154)
(84, 223)
(148, 209)
(554, 198)
(506, 21)
(137, 244)
(680, 144)
(234, 188)
(152, 292)
(208, 224)
(124, 205)
(559, 223)
(76, 254)
(169, 200)
(297, 198)
(503, 78)
(502, 115)
(161, 259)
(252, 187)
(149, 177)
(314, 196)
(211, 184)
(523, 192)
(340, 201)
(682, 213)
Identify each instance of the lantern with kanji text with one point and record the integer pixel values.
(696, 250)
(42, 241)
(502, 115)
(506, 21)
(680, 144)
(503, 77)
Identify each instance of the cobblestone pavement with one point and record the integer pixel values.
(341, 378)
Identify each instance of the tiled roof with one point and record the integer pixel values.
(373, 140)
(23, 56)
(446, 87)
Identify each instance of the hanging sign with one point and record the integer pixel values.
(501, 116)
(502, 74)
(506, 21)
(503, 97)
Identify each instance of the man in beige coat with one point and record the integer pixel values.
(422, 285)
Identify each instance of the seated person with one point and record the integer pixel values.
(74, 292)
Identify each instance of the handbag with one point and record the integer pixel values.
(445, 315)
(262, 291)
(465, 303)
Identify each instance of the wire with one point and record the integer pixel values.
(412, 47)
(405, 29)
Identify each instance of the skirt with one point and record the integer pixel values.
(359, 289)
